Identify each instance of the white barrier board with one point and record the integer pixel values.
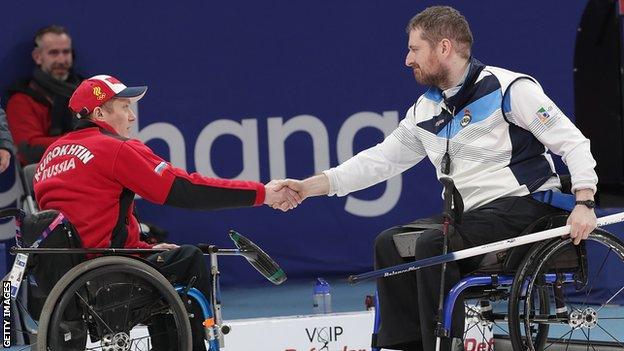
(329, 332)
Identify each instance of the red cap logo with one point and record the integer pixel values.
(99, 94)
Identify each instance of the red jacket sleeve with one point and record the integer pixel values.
(137, 168)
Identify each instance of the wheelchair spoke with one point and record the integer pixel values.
(483, 337)
(131, 293)
(566, 301)
(560, 338)
(501, 328)
(145, 339)
(570, 338)
(611, 335)
(588, 339)
(611, 298)
(470, 328)
(93, 312)
(602, 265)
(472, 309)
(139, 343)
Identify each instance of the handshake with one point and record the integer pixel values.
(284, 194)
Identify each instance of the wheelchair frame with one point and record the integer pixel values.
(517, 283)
(211, 308)
(514, 288)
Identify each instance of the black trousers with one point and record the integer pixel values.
(179, 266)
(408, 302)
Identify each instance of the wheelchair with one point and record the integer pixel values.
(110, 299)
(543, 296)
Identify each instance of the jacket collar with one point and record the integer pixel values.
(463, 95)
(88, 123)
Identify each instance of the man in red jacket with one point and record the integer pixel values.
(37, 107)
(92, 174)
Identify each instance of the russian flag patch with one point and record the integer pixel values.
(160, 168)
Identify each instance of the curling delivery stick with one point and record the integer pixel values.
(479, 250)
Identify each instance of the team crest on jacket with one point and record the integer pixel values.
(543, 114)
(466, 119)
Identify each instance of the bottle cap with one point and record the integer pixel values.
(321, 286)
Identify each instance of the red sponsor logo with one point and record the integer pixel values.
(471, 344)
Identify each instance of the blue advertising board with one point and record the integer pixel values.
(270, 89)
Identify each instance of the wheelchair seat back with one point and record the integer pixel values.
(44, 270)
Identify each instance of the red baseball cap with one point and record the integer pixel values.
(97, 90)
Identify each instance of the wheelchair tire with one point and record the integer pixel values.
(517, 331)
(95, 301)
(585, 316)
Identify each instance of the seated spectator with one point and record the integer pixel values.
(37, 108)
(6, 143)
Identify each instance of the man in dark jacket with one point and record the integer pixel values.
(37, 108)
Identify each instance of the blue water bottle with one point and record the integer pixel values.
(322, 297)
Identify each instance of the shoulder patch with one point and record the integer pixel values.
(160, 168)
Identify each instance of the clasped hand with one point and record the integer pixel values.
(284, 194)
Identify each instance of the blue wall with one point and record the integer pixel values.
(252, 62)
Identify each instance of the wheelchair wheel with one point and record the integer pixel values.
(114, 304)
(537, 333)
(566, 300)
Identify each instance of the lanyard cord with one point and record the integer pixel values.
(445, 165)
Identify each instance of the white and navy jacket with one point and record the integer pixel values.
(497, 127)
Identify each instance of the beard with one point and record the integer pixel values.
(61, 78)
(60, 72)
(438, 76)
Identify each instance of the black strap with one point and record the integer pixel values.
(120, 231)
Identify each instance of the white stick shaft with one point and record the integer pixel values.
(480, 250)
(531, 238)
